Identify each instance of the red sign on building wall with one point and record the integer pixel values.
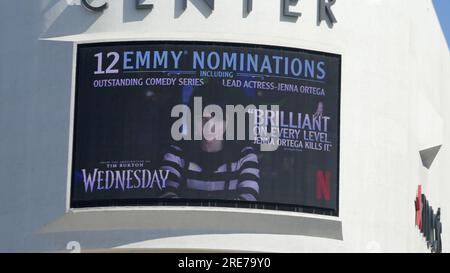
(428, 222)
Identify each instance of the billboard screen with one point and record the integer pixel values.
(196, 121)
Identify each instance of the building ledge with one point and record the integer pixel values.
(198, 219)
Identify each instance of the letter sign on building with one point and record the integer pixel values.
(428, 222)
(324, 13)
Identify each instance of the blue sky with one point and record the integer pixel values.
(443, 11)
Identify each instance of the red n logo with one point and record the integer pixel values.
(419, 208)
(323, 185)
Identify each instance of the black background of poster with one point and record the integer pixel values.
(114, 124)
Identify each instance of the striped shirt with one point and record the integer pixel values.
(210, 176)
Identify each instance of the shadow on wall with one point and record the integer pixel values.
(132, 14)
(46, 7)
(199, 5)
(72, 19)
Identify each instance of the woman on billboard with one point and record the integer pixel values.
(212, 168)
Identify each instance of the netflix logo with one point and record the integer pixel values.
(323, 181)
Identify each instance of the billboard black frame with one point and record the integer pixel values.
(200, 202)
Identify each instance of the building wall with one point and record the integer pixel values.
(395, 102)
